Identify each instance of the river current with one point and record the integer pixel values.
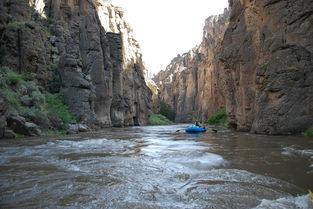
(157, 167)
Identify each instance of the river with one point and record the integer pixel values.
(157, 167)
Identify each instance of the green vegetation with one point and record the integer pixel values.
(11, 97)
(167, 111)
(157, 119)
(49, 26)
(292, 69)
(19, 136)
(32, 112)
(25, 99)
(265, 66)
(54, 132)
(9, 77)
(16, 24)
(276, 46)
(293, 83)
(219, 118)
(55, 104)
(308, 132)
(56, 82)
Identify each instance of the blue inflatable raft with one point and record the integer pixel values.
(195, 129)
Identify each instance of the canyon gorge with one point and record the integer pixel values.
(84, 124)
(83, 50)
(255, 60)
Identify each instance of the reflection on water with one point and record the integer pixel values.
(157, 167)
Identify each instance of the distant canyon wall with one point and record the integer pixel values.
(191, 84)
(261, 69)
(89, 47)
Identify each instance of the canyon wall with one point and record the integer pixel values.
(267, 66)
(191, 84)
(88, 48)
(257, 63)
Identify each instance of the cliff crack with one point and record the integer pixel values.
(303, 16)
(271, 2)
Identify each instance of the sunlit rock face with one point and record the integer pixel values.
(89, 47)
(192, 82)
(267, 63)
(39, 6)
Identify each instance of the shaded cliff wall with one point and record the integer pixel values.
(191, 83)
(89, 47)
(259, 65)
(267, 65)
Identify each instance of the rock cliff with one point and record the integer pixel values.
(267, 66)
(192, 83)
(82, 49)
(257, 63)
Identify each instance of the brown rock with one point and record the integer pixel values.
(102, 54)
(97, 60)
(260, 68)
(192, 84)
(266, 57)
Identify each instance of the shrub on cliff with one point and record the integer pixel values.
(55, 104)
(219, 118)
(167, 111)
(157, 119)
(308, 132)
(26, 99)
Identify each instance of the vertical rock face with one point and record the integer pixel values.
(86, 44)
(3, 108)
(23, 43)
(258, 63)
(191, 83)
(267, 61)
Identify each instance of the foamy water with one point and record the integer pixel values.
(155, 167)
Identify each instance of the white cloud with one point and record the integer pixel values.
(165, 28)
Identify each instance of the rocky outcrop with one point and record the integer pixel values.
(19, 125)
(267, 65)
(82, 49)
(76, 128)
(24, 46)
(3, 109)
(99, 51)
(191, 83)
(259, 66)
(155, 94)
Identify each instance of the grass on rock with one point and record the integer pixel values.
(219, 118)
(158, 119)
(308, 132)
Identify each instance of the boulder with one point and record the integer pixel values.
(8, 134)
(55, 122)
(76, 128)
(19, 125)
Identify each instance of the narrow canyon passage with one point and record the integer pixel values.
(156, 167)
(82, 116)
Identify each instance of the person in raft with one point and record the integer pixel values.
(197, 123)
